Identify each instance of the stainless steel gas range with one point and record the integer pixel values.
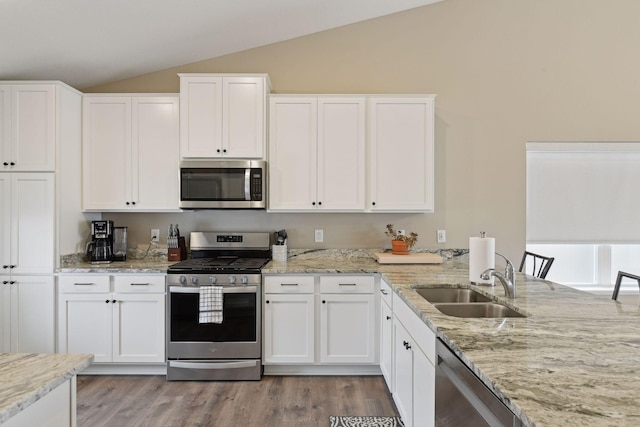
(214, 308)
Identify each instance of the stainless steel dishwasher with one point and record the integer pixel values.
(462, 399)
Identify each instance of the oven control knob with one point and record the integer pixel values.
(182, 280)
(232, 279)
(245, 280)
(213, 279)
(194, 280)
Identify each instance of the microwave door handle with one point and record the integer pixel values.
(247, 184)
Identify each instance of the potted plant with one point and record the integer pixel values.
(400, 243)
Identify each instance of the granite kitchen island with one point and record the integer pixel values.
(39, 389)
(574, 360)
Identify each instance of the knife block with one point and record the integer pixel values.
(179, 253)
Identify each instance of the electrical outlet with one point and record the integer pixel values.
(319, 236)
(155, 235)
(442, 236)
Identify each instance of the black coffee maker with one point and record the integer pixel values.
(100, 248)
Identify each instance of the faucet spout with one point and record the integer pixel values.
(508, 279)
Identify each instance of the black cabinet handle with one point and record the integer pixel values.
(224, 151)
(6, 164)
(320, 203)
(313, 203)
(267, 301)
(373, 203)
(5, 266)
(12, 282)
(218, 150)
(4, 282)
(388, 317)
(12, 163)
(107, 301)
(114, 301)
(12, 266)
(324, 302)
(133, 203)
(383, 292)
(127, 203)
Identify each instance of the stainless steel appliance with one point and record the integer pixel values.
(231, 349)
(462, 399)
(100, 248)
(223, 184)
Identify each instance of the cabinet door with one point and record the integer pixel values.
(386, 344)
(32, 223)
(106, 145)
(347, 328)
(85, 325)
(200, 116)
(32, 314)
(5, 222)
(424, 391)
(138, 328)
(341, 153)
(155, 153)
(401, 154)
(5, 128)
(292, 153)
(243, 127)
(289, 328)
(5, 315)
(33, 127)
(403, 372)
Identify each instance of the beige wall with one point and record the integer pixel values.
(505, 71)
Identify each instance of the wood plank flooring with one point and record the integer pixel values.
(276, 401)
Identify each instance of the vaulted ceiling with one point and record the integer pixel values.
(89, 42)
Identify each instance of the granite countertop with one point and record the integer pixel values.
(25, 378)
(153, 262)
(575, 360)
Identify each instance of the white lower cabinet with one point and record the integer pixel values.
(320, 320)
(119, 319)
(413, 367)
(386, 333)
(27, 318)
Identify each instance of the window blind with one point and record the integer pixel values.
(583, 192)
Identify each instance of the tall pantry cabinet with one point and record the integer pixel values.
(40, 149)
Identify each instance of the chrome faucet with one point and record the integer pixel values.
(508, 279)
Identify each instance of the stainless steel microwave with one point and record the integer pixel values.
(223, 184)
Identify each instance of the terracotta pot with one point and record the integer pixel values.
(398, 247)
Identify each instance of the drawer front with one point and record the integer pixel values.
(344, 284)
(386, 293)
(289, 284)
(83, 284)
(139, 283)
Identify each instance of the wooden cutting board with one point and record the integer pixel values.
(412, 258)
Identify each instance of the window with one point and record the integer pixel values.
(583, 201)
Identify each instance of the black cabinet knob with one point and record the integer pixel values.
(320, 203)
(5, 266)
(388, 317)
(133, 203)
(224, 151)
(373, 203)
(13, 163)
(107, 301)
(324, 302)
(4, 282)
(12, 282)
(114, 301)
(6, 164)
(218, 150)
(127, 203)
(267, 301)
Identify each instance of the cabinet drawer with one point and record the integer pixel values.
(83, 284)
(138, 283)
(386, 293)
(289, 284)
(342, 284)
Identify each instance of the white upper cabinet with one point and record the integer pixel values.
(27, 127)
(317, 153)
(223, 115)
(130, 153)
(401, 153)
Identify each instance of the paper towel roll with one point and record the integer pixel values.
(482, 255)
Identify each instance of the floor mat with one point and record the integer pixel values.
(365, 422)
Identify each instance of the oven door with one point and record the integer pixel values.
(237, 337)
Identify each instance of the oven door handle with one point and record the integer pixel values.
(213, 365)
(225, 290)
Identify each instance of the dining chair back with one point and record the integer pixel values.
(541, 264)
(621, 275)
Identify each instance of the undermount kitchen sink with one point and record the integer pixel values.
(465, 302)
(478, 309)
(438, 295)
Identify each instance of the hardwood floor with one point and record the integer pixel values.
(275, 401)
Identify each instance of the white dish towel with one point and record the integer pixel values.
(211, 303)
